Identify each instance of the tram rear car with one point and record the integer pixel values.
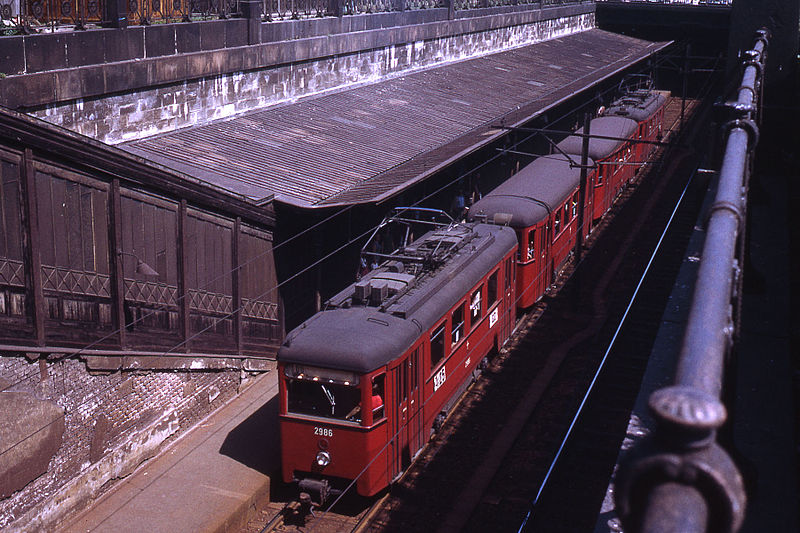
(363, 382)
(646, 107)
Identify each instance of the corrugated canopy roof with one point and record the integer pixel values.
(371, 142)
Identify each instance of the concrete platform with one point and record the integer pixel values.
(210, 480)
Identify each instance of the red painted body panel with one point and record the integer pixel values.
(349, 446)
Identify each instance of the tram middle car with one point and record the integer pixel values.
(363, 382)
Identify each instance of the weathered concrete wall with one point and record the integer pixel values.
(134, 115)
(113, 422)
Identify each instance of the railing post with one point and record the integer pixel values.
(451, 9)
(117, 13)
(251, 10)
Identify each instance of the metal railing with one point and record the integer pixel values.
(32, 16)
(682, 479)
(699, 3)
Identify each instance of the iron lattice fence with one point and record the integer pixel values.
(30, 16)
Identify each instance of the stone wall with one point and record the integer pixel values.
(137, 114)
(113, 422)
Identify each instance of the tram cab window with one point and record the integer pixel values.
(437, 345)
(323, 393)
(475, 308)
(574, 204)
(531, 245)
(491, 289)
(458, 325)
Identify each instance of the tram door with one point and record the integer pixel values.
(510, 281)
(406, 416)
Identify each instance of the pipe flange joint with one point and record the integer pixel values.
(747, 124)
(756, 63)
(748, 88)
(710, 471)
(730, 207)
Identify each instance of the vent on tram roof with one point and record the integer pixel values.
(379, 292)
(361, 293)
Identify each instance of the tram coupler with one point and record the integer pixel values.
(306, 505)
(316, 491)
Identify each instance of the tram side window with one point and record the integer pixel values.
(532, 245)
(557, 223)
(458, 324)
(475, 308)
(566, 213)
(377, 397)
(491, 288)
(574, 204)
(600, 172)
(437, 345)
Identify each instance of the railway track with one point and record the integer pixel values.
(482, 470)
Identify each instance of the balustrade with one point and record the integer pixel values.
(31, 16)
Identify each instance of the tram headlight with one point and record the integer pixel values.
(323, 459)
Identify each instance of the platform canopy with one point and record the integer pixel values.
(369, 143)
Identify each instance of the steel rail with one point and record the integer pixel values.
(682, 471)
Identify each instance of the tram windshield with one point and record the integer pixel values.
(323, 393)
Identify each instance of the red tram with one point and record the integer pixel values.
(541, 201)
(404, 341)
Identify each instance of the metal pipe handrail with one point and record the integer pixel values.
(682, 472)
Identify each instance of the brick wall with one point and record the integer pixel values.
(104, 413)
(139, 114)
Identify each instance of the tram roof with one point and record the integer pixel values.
(638, 106)
(369, 143)
(361, 338)
(618, 127)
(532, 193)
